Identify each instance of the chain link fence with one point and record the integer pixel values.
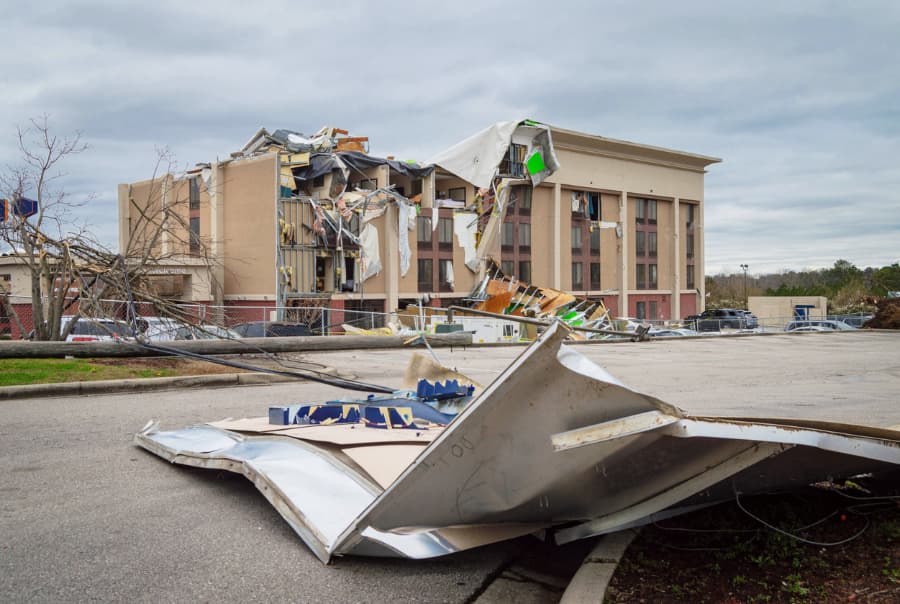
(17, 320)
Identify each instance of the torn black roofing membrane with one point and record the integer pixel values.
(553, 442)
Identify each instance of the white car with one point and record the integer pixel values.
(88, 329)
(821, 324)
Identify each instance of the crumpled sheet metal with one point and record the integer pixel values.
(553, 440)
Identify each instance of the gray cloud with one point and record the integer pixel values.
(799, 99)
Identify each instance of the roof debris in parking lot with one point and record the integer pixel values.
(554, 442)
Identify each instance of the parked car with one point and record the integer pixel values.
(205, 331)
(665, 333)
(271, 329)
(818, 325)
(96, 330)
(160, 329)
(719, 318)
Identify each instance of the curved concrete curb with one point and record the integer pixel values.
(140, 385)
(590, 582)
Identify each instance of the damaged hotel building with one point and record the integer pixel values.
(295, 220)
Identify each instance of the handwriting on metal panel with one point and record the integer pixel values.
(458, 449)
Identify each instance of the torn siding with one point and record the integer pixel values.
(554, 440)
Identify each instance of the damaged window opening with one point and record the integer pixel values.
(445, 275)
(513, 163)
(586, 204)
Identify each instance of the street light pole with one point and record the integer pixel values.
(744, 268)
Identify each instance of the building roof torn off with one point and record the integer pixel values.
(554, 442)
(292, 220)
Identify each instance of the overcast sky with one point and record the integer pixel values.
(800, 99)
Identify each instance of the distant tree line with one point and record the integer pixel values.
(847, 287)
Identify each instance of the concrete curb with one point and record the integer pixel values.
(590, 582)
(219, 380)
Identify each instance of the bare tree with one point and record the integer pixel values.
(70, 271)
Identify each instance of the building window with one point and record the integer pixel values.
(640, 248)
(645, 211)
(689, 244)
(445, 275)
(426, 274)
(651, 244)
(586, 204)
(577, 231)
(513, 163)
(525, 271)
(577, 275)
(640, 276)
(423, 231)
(194, 193)
(595, 242)
(653, 310)
(445, 233)
(507, 235)
(508, 268)
(524, 236)
(523, 200)
(595, 275)
(690, 216)
(652, 281)
(457, 194)
(641, 310)
(690, 276)
(195, 235)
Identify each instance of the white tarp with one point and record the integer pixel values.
(465, 225)
(406, 223)
(370, 260)
(476, 158)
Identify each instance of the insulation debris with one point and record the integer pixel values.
(554, 442)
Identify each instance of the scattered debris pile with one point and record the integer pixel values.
(887, 314)
(555, 442)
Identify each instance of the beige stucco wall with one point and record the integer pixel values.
(581, 169)
(542, 238)
(776, 311)
(248, 242)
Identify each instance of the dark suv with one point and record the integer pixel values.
(716, 319)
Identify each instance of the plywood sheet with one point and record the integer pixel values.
(385, 463)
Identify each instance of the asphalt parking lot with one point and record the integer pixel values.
(86, 515)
